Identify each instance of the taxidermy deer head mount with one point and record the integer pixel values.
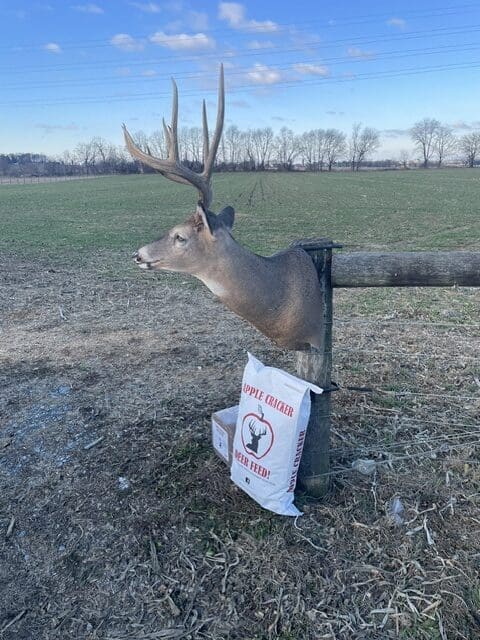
(279, 295)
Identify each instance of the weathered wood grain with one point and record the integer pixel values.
(315, 365)
(406, 269)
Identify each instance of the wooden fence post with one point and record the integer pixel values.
(315, 365)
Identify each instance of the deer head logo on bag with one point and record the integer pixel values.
(257, 434)
(279, 295)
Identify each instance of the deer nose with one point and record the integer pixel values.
(136, 257)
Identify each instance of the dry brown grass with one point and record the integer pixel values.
(119, 522)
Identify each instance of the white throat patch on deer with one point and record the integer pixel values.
(280, 294)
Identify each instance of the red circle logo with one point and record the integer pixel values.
(257, 435)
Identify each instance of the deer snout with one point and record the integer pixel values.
(142, 263)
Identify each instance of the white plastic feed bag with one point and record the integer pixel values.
(271, 426)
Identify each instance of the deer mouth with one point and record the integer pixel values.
(150, 265)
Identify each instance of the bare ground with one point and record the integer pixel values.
(118, 521)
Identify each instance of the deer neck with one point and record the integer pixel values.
(230, 271)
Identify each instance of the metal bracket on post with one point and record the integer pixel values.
(315, 365)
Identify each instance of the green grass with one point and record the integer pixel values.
(394, 210)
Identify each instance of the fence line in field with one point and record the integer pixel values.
(409, 456)
(401, 354)
(432, 437)
(426, 323)
(46, 179)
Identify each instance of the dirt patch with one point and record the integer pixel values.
(117, 520)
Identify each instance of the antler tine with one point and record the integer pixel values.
(172, 168)
(173, 155)
(168, 137)
(208, 167)
(165, 167)
(206, 143)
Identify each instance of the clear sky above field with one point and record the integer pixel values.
(71, 70)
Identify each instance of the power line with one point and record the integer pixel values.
(188, 75)
(316, 44)
(277, 28)
(251, 87)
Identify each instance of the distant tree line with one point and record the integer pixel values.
(257, 149)
(261, 149)
(436, 142)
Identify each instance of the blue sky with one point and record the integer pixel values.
(72, 70)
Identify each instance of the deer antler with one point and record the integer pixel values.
(171, 167)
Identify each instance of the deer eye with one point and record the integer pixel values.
(180, 239)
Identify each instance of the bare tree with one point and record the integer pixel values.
(335, 146)
(320, 148)
(69, 162)
(287, 147)
(312, 146)
(262, 140)
(308, 149)
(118, 160)
(141, 140)
(233, 143)
(86, 155)
(157, 143)
(469, 146)
(183, 141)
(444, 143)
(249, 159)
(423, 134)
(194, 145)
(221, 159)
(354, 145)
(101, 148)
(404, 158)
(362, 143)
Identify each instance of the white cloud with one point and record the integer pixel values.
(395, 133)
(53, 47)
(241, 104)
(146, 7)
(466, 126)
(311, 69)
(48, 128)
(182, 41)
(261, 74)
(232, 12)
(361, 54)
(191, 20)
(197, 20)
(149, 73)
(399, 23)
(88, 8)
(267, 26)
(260, 44)
(125, 42)
(235, 14)
(174, 5)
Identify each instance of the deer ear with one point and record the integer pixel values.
(226, 217)
(206, 217)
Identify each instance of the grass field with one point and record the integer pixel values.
(401, 210)
(117, 521)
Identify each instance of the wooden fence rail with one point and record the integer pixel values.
(407, 269)
(361, 269)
